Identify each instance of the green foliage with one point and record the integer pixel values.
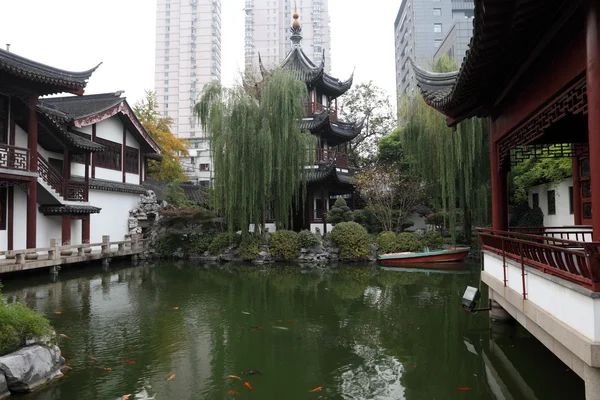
(387, 242)
(308, 239)
(537, 171)
(190, 244)
(175, 195)
(250, 247)
(220, 242)
(408, 242)
(533, 217)
(265, 138)
(340, 212)
(390, 151)
(352, 240)
(18, 323)
(285, 245)
(433, 240)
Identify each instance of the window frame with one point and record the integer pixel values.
(551, 202)
(110, 158)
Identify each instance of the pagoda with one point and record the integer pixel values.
(331, 176)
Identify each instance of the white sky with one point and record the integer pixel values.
(78, 34)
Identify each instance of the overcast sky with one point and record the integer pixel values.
(78, 34)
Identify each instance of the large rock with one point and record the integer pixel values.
(31, 367)
(3, 387)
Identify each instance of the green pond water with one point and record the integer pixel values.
(357, 332)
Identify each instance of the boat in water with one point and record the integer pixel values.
(425, 257)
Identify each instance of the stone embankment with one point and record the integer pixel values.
(29, 368)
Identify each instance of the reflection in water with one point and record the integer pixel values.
(357, 332)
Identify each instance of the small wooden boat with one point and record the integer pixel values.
(438, 256)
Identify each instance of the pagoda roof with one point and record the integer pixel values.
(505, 34)
(329, 171)
(53, 80)
(80, 111)
(335, 132)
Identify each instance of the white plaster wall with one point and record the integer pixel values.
(109, 174)
(319, 225)
(578, 311)
(20, 137)
(48, 228)
(4, 233)
(562, 217)
(20, 220)
(78, 169)
(132, 178)
(112, 219)
(131, 141)
(110, 129)
(76, 229)
(270, 226)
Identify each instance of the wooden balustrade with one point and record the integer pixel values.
(311, 108)
(15, 158)
(68, 189)
(325, 155)
(574, 261)
(581, 233)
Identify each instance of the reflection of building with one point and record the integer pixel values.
(330, 178)
(532, 69)
(71, 168)
(267, 32)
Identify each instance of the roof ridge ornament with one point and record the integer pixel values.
(296, 30)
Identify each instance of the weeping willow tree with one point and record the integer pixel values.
(258, 150)
(455, 165)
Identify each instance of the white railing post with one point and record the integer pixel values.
(106, 245)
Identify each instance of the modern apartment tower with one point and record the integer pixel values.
(268, 33)
(188, 56)
(419, 30)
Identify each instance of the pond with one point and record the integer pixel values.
(176, 331)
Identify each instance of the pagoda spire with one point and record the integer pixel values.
(296, 30)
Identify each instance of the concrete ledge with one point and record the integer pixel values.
(570, 346)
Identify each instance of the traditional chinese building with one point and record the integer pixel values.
(331, 176)
(71, 168)
(533, 69)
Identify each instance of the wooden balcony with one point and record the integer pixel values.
(311, 108)
(15, 158)
(325, 156)
(574, 261)
(69, 190)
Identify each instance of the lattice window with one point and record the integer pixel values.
(111, 157)
(4, 119)
(132, 160)
(80, 158)
(551, 202)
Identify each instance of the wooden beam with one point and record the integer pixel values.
(32, 141)
(93, 155)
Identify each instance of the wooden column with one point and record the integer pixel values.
(12, 125)
(324, 206)
(10, 220)
(85, 229)
(141, 165)
(499, 191)
(66, 230)
(32, 139)
(576, 193)
(87, 176)
(93, 155)
(123, 154)
(592, 25)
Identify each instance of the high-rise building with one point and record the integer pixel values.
(268, 34)
(419, 31)
(188, 56)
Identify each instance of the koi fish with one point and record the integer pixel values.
(126, 397)
(93, 358)
(171, 377)
(129, 362)
(108, 369)
(283, 328)
(248, 386)
(58, 312)
(245, 312)
(463, 389)
(233, 392)
(175, 308)
(62, 335)
(233, 377)
(317, 389)
(68, 363)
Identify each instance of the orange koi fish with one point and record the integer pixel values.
(58, 313)
(171, 377)
(68, 363)
(233, 392)
(62, 335)
(317, 389)
(108, 369)
(93, 358)
(463, 389)
(248, 386)
(233, 377)
(126, 397)
(175, 308)
(129, 362)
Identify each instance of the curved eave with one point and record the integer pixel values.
(315, 122)
(302, 67)
(153, 156)
(333, 87)
(58, 120)
(323, 172)
(342, 132)
(49, 210)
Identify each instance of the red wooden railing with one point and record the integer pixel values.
(69, 190)
(12, 157)
(580, 233)
(324, 156)
(574, 261)
(311, 108)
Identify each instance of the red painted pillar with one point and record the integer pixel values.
(93, 156)
(592, 25)
(499, 191)
(66, 230)
(124, 154)
(10, 218)
(86, 175)
(66, 173)
(32, 139)
(576, 193)
(85, 229)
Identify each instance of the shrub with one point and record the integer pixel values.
(199, 244)
(340, 212)
(308, 239)
(433, 240)
(352, 240)
(408, 242)
(250, 247)
(175, 195)
(285, 245)
(220, 242)
(387, 242)
(18, 323)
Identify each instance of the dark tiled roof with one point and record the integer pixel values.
(345, 131)
(317, 121)
(195, 193)
(110, 186)
(329, 171)
(61, 80)
(83, 143)
(505, 32)
(77, 107)
(334, 132)
(68, 209)
(59, 122)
